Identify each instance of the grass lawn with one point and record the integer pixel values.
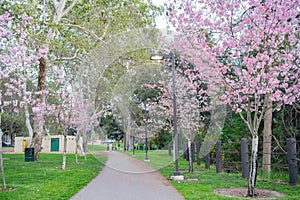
(158, 158)
(97, 148)
(209, 180)
(45, 179)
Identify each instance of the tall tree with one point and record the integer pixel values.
(15, 60)
(62, 35)
(257, 47)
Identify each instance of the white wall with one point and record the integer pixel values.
(46, 144)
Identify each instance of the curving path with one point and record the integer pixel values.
(125, 178)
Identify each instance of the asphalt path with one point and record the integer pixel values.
(125, 178)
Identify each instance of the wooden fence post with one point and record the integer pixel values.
(292, 160)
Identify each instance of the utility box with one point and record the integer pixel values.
(29, 154)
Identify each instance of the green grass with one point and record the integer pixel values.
(209, 180)
(96, 147)
(158, 158)
(45, 179)
(101, 147)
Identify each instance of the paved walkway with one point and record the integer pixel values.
(125, 178)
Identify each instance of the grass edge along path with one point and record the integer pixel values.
(209, 180)
(45, 179)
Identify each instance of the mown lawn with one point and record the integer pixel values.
(97, 147)
(158, 159)
(209, 180)
(45, 179)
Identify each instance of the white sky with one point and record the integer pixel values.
(161, 21)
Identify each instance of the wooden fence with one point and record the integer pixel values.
(239, 157)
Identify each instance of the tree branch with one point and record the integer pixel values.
(86, 30)
(246, 121)
(69, 8)
(278, 144)
(69, 58)
(105, 31)
(54, 3)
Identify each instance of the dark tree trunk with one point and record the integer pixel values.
(190, 156)
(1, 159)
(38, 135)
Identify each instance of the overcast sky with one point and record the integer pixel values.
(160, 21)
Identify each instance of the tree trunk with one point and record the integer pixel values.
(253, 167)
(125, 141)
(85, 143)
(267, 136)
(38, 134)
(79, 148)
(28, 124)
(27, 118)
(1, 155)
(65, 152)
(76, 156)
(190, 156)
(43, 64)
(1, 160)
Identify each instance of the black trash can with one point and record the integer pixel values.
(29, 154)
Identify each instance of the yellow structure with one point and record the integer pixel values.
(24, 145)
(50, 144)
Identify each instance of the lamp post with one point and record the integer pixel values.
(175, 132)
(146, 135)
(133, 138)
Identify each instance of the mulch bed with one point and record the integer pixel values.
(242, 193)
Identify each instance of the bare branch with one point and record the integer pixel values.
(85, 30)
(279, 144)
(54, 2)
(69, 58)
(247, 121)
(105, 31)
(69, 8)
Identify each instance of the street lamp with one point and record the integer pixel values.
(133, 134)
(175, 133)
(146, 135)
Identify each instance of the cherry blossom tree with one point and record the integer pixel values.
(256, 44)
(189, 114)
(84, 118)
(16, 63)
(71, 111)
(191, 102)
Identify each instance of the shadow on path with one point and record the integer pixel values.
(125, 178)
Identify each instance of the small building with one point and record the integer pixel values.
(50, 144)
